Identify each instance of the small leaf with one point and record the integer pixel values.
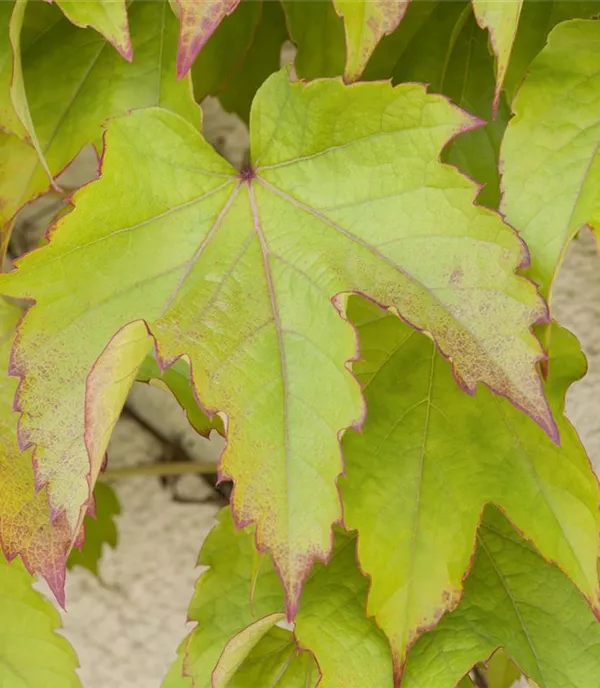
(99, 529)
(429, 458)
(349, 648)
(318, 33)
(229, 597)
(243, 51)
(71, 99)
(366, 22)
(502, 21)
(240, 646)
(25, 525)
(32, 653)
(550, 152)
(295, 233)
(108, 17)
(515, 600)
(198, 20)
(177, 380)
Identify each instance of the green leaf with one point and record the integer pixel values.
(318, 32)
(99, 529)
(295, 233)
(239, 588)
(515, 600)
(198, 21)
(70, 98)
(243, 51)
(366, 22)
(536, 21)
(177, 380)
(108, 18)
(32, 654)
(550, 152)
(501, 671)
(349, 648)
(25, 524)
(502, 21)
(428, 460)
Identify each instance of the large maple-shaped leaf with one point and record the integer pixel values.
(429, 459)
(32, 653)
(338, 199)
(25, 525)
(198, 21)
(550, 151)
(366, 22)
(242, 52)
(515, 600)
(70, 99)
(99, 529)
(108, 17)
(502, 21)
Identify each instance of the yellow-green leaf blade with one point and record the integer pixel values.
(429, 459)
(515, 600)
(550, 152)
(108, 17)
(366, 23)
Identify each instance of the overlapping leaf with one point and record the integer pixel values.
(99, 529)
(108, 18)
(70, 99)
(339, 199)
(429, 459)
(242, 52)
(515, 600)
(32, 654)
(550, 152)
(366, 22)
(198, 21)
(25, 526)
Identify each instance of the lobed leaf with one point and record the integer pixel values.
(198, 21)
(70, 99)
(108, 18)
(515, 600)
(550, 151)
(99, 528)
(32, 653)
(366, 22)
(295, 233)
(502, 21)
(25, 524)
(428, 460)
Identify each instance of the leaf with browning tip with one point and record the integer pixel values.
(338, 199)
(108, 17)
(32, 653)
(70, 99)
(366, 22)
(198, 20)
(515, 600)
(550, 153)
(501, 19)
(99, 529)
(177, 380)
(318, 33)
(350, 650)
(25, 525)
(428, 460)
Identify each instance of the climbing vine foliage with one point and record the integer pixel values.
(363, 309)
